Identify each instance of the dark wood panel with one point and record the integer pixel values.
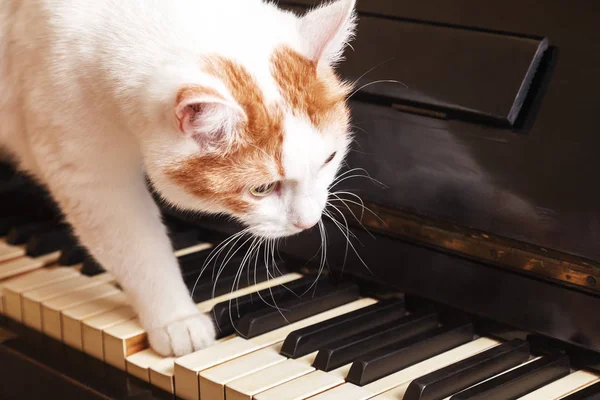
(458, 72)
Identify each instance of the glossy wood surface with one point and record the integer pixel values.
(535, 182)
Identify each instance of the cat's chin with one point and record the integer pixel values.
(269, 232)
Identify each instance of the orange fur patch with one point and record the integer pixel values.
(192, 91)
(307, 90)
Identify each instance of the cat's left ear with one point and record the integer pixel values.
(328, 29)
(209, 116)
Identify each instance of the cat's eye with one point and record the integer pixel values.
(330, 158)
(263, 190)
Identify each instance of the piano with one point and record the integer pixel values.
(473, 270)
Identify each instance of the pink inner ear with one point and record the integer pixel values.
(185, 114)
(189, 105)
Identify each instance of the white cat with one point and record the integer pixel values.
(229, 106)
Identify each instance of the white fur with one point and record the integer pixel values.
(87, 89)
(304, 190)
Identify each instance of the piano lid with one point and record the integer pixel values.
(450, 71)
(530, 179)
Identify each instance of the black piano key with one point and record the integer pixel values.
(196, 264)
(519, 381)
(28, 204)
(49, 241)
(591, 392)
(463, 374)
(9, 222)
(20, 234)
(346, 350)
(206, 289)
(226, 314)
(307, 340)
(193, 269)
(73, 254)
(91, 268)
(324, 298)
(397, 356)
(183, 239)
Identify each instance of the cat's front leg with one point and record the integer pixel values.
(120, 224)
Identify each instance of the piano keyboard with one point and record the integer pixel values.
(331, 343)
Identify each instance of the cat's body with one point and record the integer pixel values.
(229, 106)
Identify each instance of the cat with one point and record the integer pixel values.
(227, 106)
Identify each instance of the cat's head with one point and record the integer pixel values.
(262, 138)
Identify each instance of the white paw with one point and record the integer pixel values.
(183, 336)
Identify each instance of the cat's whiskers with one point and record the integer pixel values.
(345, 203)
(218, 249)
(344, 176)
(253, 248)
(360, 203)
(346, 236)
(323, 250)
(350, 171)
(215, 253)
(231, 244)
(347, 172)
(344, 227)
(376, 82)
(359, 128)
(345, 223)
(371, 70)
(279, 309)
(348, 241)
(226, 261)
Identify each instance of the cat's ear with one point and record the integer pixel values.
(328, 29)
(210, 117)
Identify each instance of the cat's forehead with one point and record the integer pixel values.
(285, 81)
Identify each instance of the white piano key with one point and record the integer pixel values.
(307, 385)
(52, 309)
(247, 387)
(213, 380)
(10, 252)
(25, 264)
(13, 288)
(150, 366)
(192, 249)
(32, 300)
(383, 397)
(93, 329)
(162, 375)
(564, 386)
(139, 363)
(188, 367)
(72, 318)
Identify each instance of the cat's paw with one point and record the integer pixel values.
(183, 336)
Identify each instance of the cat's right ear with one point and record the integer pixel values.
(328, 29)
(209, 117)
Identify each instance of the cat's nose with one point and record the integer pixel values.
(304, 225)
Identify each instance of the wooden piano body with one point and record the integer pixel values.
(488, 207)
